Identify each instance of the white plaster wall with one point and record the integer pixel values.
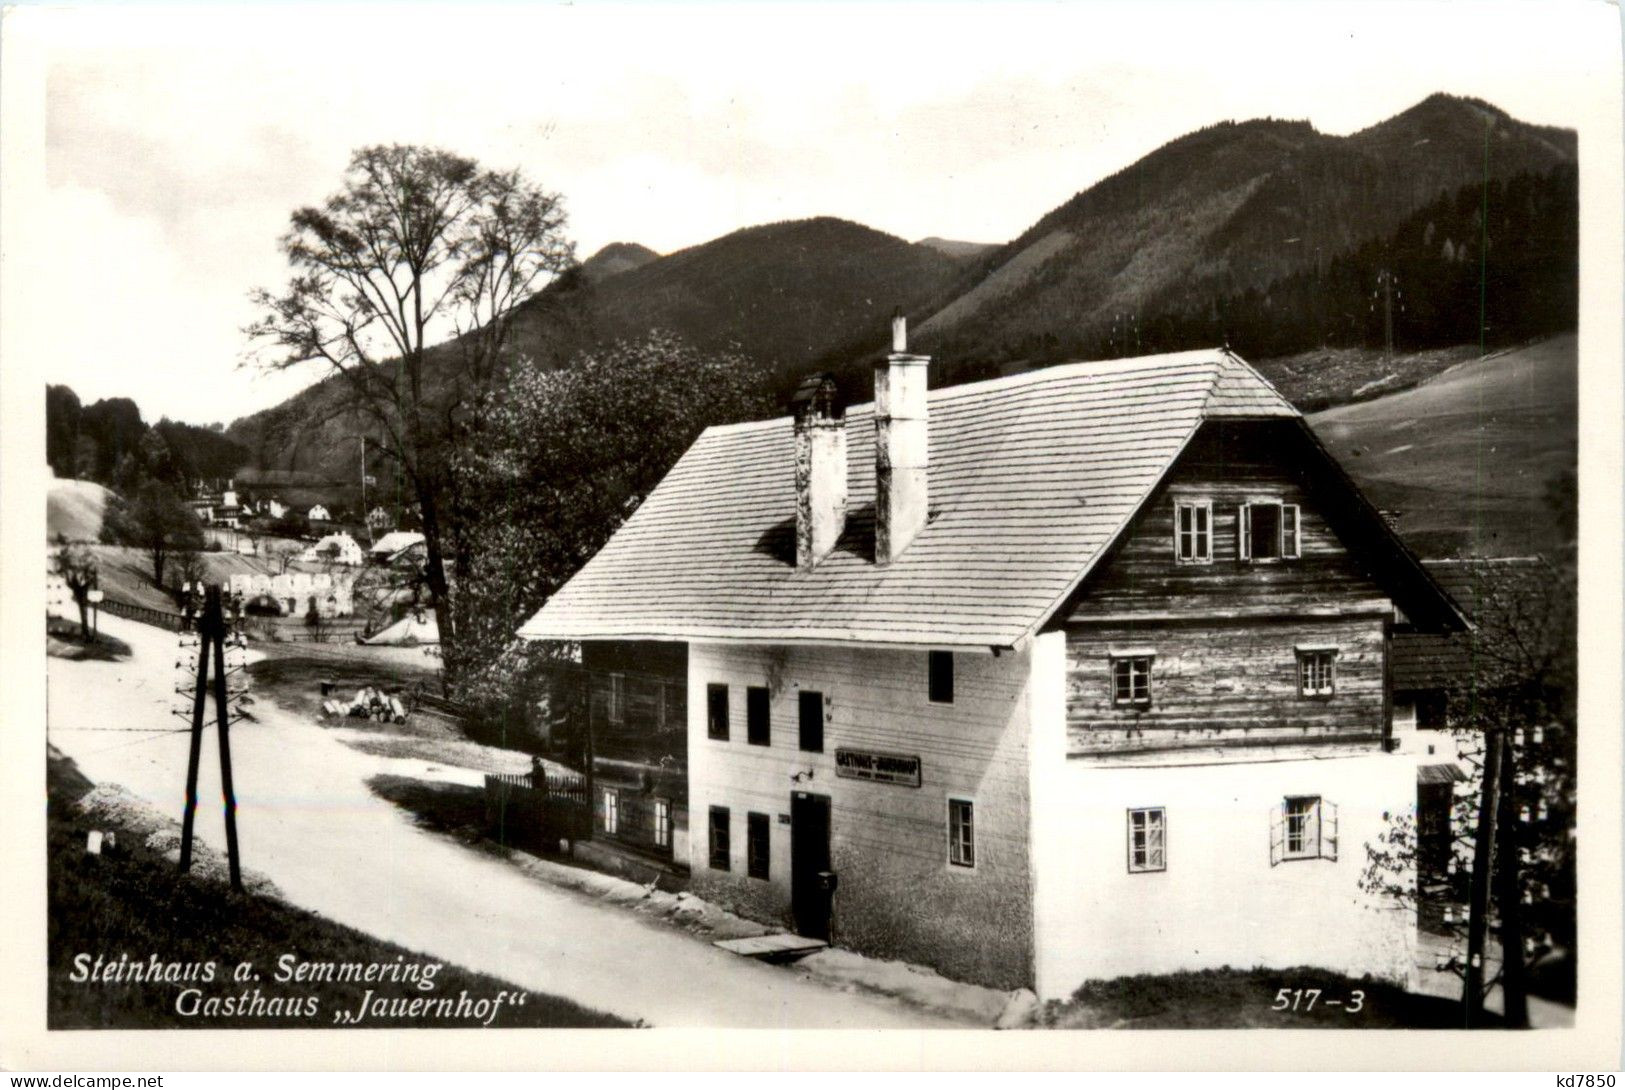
(898, 896)
(1219, 902)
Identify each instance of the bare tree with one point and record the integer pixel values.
(418, 246)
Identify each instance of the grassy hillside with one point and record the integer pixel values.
(74, 510)
(1217, 212)
(1468, 456)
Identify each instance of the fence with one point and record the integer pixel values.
(155, 617)
(522, 812)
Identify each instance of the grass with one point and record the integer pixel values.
(66, 640)
(292, 681)
(454, 809)
(1246, 998)
(1466, 458)
(1326, 377)
(134, 902)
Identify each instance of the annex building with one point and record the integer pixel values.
(1066, 675)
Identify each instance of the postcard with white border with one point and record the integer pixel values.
(1090, 527)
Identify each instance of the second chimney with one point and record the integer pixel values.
(820, 468)
(900, 446)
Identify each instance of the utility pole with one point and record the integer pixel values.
(211, 642)
(366, 516)
(1478, 901)
(1385, 283)
(1509, 893)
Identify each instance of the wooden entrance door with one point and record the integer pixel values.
(811, 892)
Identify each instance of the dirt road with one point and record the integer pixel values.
(307, 821)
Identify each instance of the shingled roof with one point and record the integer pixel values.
(1032, 477)
(1422, 661)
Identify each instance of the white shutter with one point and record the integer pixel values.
(1277, 833)
(1289, 530)
(1244, 532)
(1328, 830)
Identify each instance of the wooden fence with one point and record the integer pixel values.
(522, 812)
(155, 617)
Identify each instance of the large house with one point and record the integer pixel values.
(1059, 676)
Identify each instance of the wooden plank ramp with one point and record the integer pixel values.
(778, 946)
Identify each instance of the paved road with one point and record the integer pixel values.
(308, 822)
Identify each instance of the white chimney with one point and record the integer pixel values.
(900, 446)
(820, 422)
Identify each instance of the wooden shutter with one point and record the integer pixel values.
(1290, 545)
(1277, 833)
(1328, 830)
(1244, 532)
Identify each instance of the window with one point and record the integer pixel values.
(611, 815)
(716, 712)
(961, 833)
(1316, 671)
(719, 838)
(1303, 827)
(1131, 680)
(940, 680)
(615, 699)
(1268, 531)
(662, 823)
(758, 717)
(812, 721)
(1193, 532)
(1147, 846)
(756, 845)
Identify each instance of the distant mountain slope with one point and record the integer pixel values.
(1467, 457)
(784, 293)
(956, 248)
(1245, 215)
(616, 258)
(1224, 209)
(74, 509)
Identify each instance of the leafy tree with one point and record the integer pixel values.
(1520, 687)
(77, 567)
(564, 458)
(418, 244)
(157, 521)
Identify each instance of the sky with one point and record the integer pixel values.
(177, 141)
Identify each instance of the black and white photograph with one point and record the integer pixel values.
(1068, 519)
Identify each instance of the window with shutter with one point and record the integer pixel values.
(1303, 827)
(1267, 532)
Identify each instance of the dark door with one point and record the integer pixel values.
(811, 886)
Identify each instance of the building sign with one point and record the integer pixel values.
(852, 764)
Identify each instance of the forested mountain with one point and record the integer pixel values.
(785, 293)
(1217, 213)
(1266, 235)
